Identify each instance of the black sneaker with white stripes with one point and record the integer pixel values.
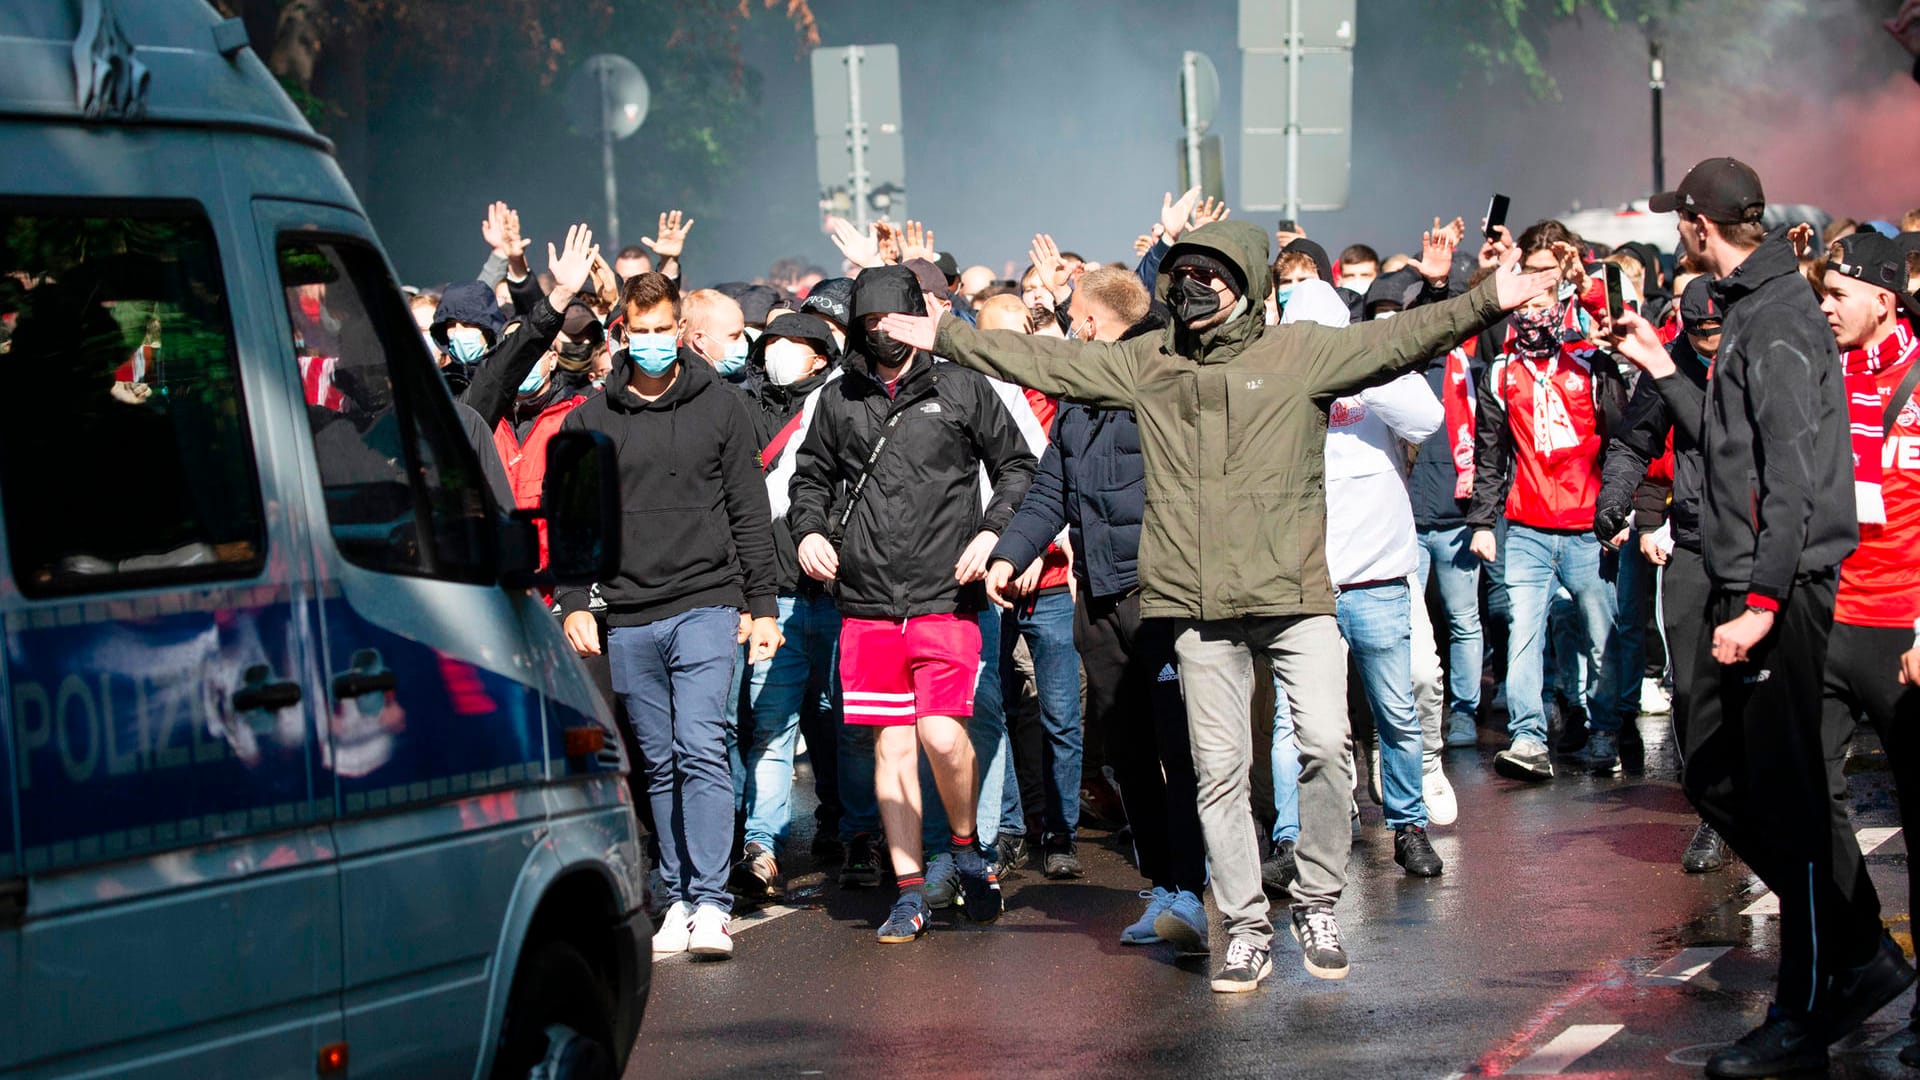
(1319, 936)
(1246, 965)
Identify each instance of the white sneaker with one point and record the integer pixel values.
(1442, 807)
(671, 936)
(1653, 698)
(708, 936)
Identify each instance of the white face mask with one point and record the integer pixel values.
(788, 361)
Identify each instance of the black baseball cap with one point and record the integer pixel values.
(1877, 260)
(1721, 189)
(1697, 306)
(948, 266)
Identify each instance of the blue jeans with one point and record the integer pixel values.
(804, 672)
(1047, 627)
(676, 676)
(1537, 563)
(1286, 768)
(1617, 699)
(1459, 571)
(1376, 622)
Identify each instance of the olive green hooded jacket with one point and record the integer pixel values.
(1233, 428)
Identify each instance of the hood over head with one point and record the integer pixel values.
(1315, 302)
(1315, 252)
(756, 301)
(1243, 247)
(880, 290)
(470, 302)
(1402, 287)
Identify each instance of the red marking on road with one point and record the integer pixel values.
(1497, 1061)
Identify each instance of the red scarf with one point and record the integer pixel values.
(1866, 414)
(1456, 399)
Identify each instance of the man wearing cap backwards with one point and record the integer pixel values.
(1878, 608)
(1777, 519)
(1233, 427)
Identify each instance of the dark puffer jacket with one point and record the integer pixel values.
(1093, 482)
(921, 506)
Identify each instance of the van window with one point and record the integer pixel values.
(403, 490)
(125, 457)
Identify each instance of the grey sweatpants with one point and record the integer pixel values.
(1217, 672)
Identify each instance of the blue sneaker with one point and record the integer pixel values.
(980, 899)
(1183, 924)
(943, 884)
(907, 920)
(1142, 932)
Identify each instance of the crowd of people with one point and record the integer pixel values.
(1213, 544)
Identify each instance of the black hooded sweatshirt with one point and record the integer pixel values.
(696, 530)
(1773, 432)
(921, 506)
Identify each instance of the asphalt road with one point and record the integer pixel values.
(1563, 939)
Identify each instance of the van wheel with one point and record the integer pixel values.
(559, 1022)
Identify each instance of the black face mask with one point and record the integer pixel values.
(1192, 300)
(885, 351)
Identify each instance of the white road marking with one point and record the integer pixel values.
(1566, 1048)
(761, 917)
(1690, 962)
(1870, 841)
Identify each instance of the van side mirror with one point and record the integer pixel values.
(579, 516)
(580, 500)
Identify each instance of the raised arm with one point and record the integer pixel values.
(1089, 372)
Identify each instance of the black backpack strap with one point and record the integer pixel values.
(1900, 396)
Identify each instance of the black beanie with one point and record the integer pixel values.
(1206, 260)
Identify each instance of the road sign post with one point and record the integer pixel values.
(857, 132)
(1296, 104)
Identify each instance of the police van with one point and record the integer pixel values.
(298, 776)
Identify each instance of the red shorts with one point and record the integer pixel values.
(894, 673)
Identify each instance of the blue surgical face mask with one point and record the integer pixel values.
(467, 344)
(653, 354)
(1280, 295)
(735, 358)
(533, 381)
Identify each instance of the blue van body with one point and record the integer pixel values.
(265, 799)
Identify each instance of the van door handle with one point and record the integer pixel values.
(353, 684)
(267, 696)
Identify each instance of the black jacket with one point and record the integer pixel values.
(1625, 491)
(695, 527)
(497, 376)
(1092, 482)
(1773, 432)
(921, 506)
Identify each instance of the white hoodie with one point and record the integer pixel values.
(1370, 535)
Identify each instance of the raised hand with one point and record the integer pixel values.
(1455, 230)
(1802, 237)
(1436, 254)
(1513, 288)
(1174, 213)
(916, 242)
(672, 238)
(494, 229)
(1209, 212)
(887, 234)
(862, 249)
(1571, 268)
(1145, 241)
(1053, 270)
(571, 265)
(915, 330)
(1495, 247)
(1637, 340)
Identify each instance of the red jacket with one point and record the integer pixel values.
(526, 462)
(1545, 462)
